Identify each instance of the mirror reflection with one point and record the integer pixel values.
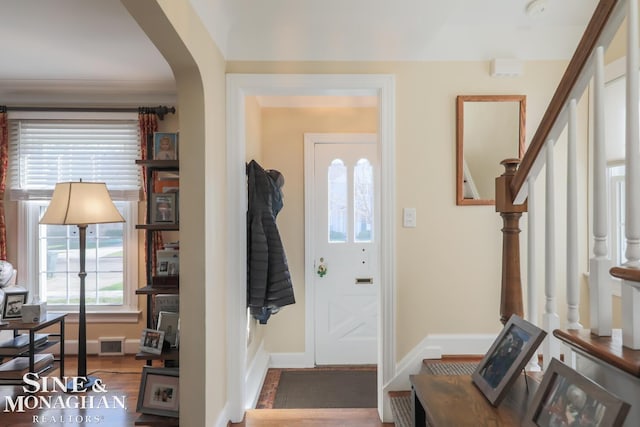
(490, 128)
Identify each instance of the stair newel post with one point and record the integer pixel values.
(511, 290)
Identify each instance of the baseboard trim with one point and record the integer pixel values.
(290, 360)
(434, 347)
(255, 377)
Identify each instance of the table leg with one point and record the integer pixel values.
(419, 415)
(62, 348)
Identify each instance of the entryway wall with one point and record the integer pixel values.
(280, 147)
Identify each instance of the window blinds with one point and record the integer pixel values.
(44, 152)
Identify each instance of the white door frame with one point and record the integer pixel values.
(310, 139)
(238, 87)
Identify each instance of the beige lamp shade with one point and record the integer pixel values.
(76, 203)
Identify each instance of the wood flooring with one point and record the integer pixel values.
(121, 376)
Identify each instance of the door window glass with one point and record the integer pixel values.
(363, 201)
(337, 180)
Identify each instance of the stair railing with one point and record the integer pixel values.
(585, 68)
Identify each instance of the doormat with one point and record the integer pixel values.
(321, 388)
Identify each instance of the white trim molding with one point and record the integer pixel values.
(238, 87)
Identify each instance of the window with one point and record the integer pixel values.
(363, 201)
(344, 196)
(46, 151)
(337, 201)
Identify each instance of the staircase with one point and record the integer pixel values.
(609, 356)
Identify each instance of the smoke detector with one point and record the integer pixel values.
(536, 7)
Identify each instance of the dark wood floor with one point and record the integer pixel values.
(121, 377)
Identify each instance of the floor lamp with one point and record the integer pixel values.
(81, 204)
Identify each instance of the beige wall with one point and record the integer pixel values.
(448, 267)
(198, 67)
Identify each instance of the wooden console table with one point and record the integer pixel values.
(453, 400)
(31, 328)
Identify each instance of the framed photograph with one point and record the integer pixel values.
(168, 323)
(567, 398)
(507, 357)
(151, 341)
(165, 146)
(159, 392)
(14, 299)
(163, 208)
(167, 262)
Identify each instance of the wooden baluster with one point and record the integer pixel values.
(550, 321)
(599, 280)
(573, 281)
(630, 291)
(511, 291)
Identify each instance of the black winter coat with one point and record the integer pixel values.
(269, 285)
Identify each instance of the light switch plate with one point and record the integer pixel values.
(409, 217)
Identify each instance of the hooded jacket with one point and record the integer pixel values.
(269, 285)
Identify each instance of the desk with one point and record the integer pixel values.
(453, 400)
(17, 325)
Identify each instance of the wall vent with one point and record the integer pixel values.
(111, 346)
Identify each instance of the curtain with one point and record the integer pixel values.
(148, 125)
(4, 160)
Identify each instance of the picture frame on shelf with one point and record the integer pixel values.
(151, 341)
(165, 302)
(506, 358)
(168, 323)
(159, 392)
(13, 300)
(163, 208)
(168, 262)
(165, 146)
(568, 396)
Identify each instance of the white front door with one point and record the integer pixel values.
(345, 235)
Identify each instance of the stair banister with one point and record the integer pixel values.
(600, 31)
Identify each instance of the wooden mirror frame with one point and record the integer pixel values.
(460, 101)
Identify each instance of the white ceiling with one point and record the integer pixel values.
(80, 44)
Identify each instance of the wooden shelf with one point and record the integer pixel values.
(159, 164)
(171, 354)
(148, 290)
(156, 420)
(158, 227)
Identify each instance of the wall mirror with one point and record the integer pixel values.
(489, 129)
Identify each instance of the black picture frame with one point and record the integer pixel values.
(12, 302)
(163, 208)
(159, 392)
(507, 357)
(565, 394)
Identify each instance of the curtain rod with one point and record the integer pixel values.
(160, 110)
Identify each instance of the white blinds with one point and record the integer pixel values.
(44, 152)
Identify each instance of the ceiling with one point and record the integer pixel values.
(71, 47)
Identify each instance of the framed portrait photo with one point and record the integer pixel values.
(507, 357)
(163, 208)
(14, 299)
(159, 392)
(151, 341)
(168, 323)
(566, 397)
(165, 146)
